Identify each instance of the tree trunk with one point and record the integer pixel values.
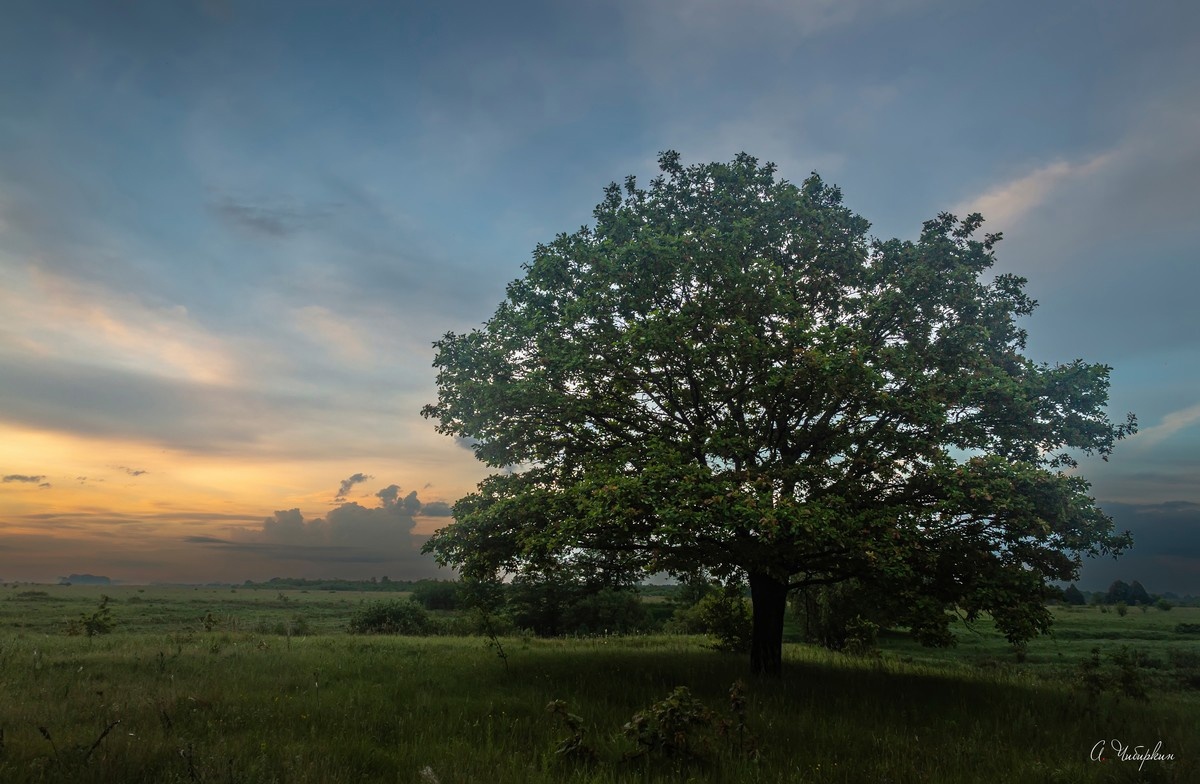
(769, 597)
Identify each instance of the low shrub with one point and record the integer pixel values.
(722, 613)
(399, 616)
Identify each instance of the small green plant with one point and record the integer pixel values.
(99, 622)
(572, 746)
(679, 726)
(862, 637)
(1122, 608)
(737, 729)
(75, 756)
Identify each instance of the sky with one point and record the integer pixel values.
(230, 232)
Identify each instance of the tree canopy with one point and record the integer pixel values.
(726, 375)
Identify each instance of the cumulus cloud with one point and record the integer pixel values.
(388, 525)
(349, 534)
(348, 483)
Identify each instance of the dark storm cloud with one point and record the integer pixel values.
(437, 509)
(1166, 548)
(24, 478)
(1168, 528)
(348, 483)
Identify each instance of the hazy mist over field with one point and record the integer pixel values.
(229, 233)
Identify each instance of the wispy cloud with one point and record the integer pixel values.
(332, 332)
(55, 317)
(205, 540)
(685, 28)
(1005, 204)
(103, 402)
(275, 221)
(26, 478)
(1171, 424)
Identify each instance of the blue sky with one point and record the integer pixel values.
(230, 231)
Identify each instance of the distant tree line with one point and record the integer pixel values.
(1128, 594)
(845, 617)
(300, 583)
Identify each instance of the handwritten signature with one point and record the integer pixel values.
(1126, 753)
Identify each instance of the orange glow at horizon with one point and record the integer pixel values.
(132, 502)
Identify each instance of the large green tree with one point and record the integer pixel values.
(726, 375)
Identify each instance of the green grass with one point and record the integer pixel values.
(240, 703)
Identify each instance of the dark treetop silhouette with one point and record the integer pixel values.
(725, 375)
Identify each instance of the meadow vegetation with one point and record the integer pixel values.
(262, 685)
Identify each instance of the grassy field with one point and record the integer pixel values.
(237, 685)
